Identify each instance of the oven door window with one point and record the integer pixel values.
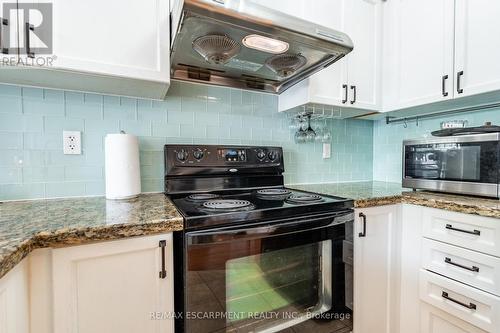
(264, 282)
(466, 162)
(280, 286)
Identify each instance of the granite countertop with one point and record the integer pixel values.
(28, 225)
(371, 194)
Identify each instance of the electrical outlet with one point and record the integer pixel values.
(72, 142)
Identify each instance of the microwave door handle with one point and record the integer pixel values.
(259, 232)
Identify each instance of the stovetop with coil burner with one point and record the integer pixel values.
(229, 207)
(216, 186)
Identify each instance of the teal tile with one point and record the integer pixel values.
(85, 111)
(10, 175)
(240, 133)
(95, 188)
(43, 107)
(9, 90)
(89, 98)
(53, 95)
(190, 104)
(94, 157)
(74, 97)
(42, 174)
(11, 140)
(11, 104)
(214, 132)
(101, 126)
(152, 185)
(11, 158)
(205, 118)
(154, 171)
(261, 134)
(64, 189)
(150, 143)
(43, 141)
(147, 112)
(57, 158)
(83, 173)
(116, 112)
(59, 124)
(138, 128)
(166, 129)
(190, 131)
(93, 141)
(29, 92)
(180, 117)
(146, 157)
(11, 122)
(22, 191)
(219, 95)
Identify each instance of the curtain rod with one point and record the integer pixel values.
(391, 120)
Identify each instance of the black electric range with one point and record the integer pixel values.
(252, 246)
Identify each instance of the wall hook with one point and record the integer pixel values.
(405, 124)
(416, 119)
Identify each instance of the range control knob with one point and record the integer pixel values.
(272, 155)
(198, 154)
(182, 155)
(261, 154)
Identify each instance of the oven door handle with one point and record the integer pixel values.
(273, 230)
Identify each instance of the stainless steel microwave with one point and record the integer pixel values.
(467, 164)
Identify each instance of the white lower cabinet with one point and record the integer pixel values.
(113, 287)
(376, 269)
(14, 300)
(434, 320)
(449, 272)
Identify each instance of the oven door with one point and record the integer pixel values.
(265, 277)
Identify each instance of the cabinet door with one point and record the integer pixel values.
(326, 86)
(434, 320)
(364, 26)
(290, 7)
(113, 287)
(418, 39)
(114, 38)
(14, 300)
(375, 269)
(477, 48)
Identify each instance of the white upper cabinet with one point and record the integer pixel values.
(113, 37)
(363, 24)
(290, 7)
(477, 46)
(354, 80)
(418, 52)
(112, 47)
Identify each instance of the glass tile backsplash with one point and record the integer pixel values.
(32, 163)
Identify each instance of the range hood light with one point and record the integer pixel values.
(265, 44)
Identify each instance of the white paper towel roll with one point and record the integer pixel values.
(123, 174)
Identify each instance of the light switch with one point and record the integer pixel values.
(327, 150)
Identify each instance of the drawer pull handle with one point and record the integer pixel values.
(163, 272)
(471, 306)
(472, 269)
(474, 232)
(363, 233)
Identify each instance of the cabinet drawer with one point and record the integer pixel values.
(433, 320)
(471, 305)
(476, 269)
(470, 231)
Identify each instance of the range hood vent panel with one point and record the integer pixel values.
(209, 38)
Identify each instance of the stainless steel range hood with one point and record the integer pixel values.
(238, 43)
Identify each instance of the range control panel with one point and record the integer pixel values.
(211, 156)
